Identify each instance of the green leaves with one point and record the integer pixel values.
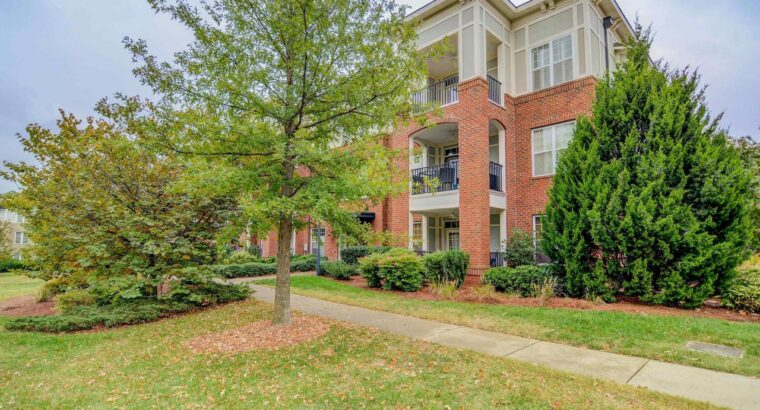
(648, 198)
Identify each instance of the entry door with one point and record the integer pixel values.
(452, 239)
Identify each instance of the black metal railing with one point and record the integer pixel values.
(494, 90)
(441, 93)
(495, 172)
(438, 178)
(497, 259)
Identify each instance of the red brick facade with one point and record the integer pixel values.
(525, 195)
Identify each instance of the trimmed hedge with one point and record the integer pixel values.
(397, 269)
(245, 270)
(11, 264)
(304, 263)
(517, 280)
(352, 254)
(450, 266)
(338, 270)
(744, 291)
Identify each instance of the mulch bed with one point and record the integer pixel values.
(628, 305)
(261, 335)
(26, 306)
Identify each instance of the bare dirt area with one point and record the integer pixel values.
(261, 335)
(26, 306)
(467, 294)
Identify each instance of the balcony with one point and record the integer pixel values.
(436, 178)
(495, 172)
(496, 259)
(441, 93)
(494, 90)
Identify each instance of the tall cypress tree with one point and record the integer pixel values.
(649, 198)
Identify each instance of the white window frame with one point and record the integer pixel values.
(20, 238)
(551, 64)
(553, 129)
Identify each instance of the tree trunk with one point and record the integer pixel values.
(282, 288)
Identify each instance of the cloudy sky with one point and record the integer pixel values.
(68, 54)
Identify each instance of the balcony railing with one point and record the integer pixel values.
(497, 259)
(495, 172)
(441, 93)
(438, 178)
(494, 90)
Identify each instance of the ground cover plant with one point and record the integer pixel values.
(139, 366)
(651, 336)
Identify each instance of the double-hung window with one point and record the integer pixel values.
(552, 63)
(21, 238)
(548, 144)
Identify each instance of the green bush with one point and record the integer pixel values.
(240, 257)
(338, 270)
(522, 279)
(304, 263)
(119, 289)
(67, 301)
(401, 271)
(743, 293)
(519, 249)
(245, 270)
(352, 254)
(11, 264)
(450, 266)
(369, 268)
(88, 317)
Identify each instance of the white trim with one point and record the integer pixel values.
(553, 149)
(550, 66)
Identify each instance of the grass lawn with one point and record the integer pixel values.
(12, 286)
(650, 336)
(148, 366)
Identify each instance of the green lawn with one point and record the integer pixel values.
(148, 366)
(12, 286)
(650, 336)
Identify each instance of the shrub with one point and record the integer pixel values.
(245, 270)
(401, 271)
(11, 264)
(63, 283)
(118, 289)
(240, 257)
(517, 280)
(352, 254)
(743, 293)
(338, 270)
(369, 268)
(519, 249)
(446, 267)
(304, 263)
(445, 289)
(67, 301)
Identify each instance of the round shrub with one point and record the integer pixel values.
(338, 270)
(522, 279)
(450, 266)
(352, 254)
(401, 272)
(369, 268)
(240, 257)
(744, 291)
(11, 264)
(67, 301)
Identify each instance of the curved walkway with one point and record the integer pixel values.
(724, 389)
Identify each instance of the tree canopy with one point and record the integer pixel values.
(649, 197)
(283, 105)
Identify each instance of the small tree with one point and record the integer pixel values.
(519, 249)
(648, 197)
(100, 202)
(268, 91)
(749, 152)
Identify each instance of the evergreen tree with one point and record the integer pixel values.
(649, 198)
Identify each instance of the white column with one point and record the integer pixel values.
(502, 228)
(425, 233)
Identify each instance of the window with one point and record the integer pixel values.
(548, 144)
(21, 238)
(417, 236)
(317, 240)
(20, 219)
(552, 63)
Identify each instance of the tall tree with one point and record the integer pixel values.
(649, 196)
(749, 152)
(99, 202)
(267, 92)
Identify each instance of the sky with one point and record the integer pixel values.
(68, 54)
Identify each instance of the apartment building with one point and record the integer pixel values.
(511, 85)
(16, 237)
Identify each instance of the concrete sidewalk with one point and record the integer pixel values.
(724, 389)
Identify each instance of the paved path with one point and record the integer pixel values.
(725, 389)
